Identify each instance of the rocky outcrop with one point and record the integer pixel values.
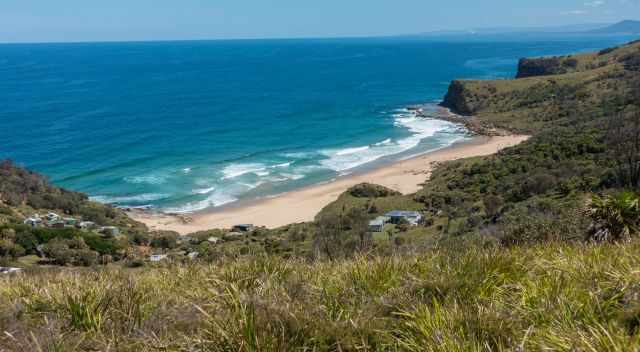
(455, 99)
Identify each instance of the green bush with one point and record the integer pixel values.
(615, 217)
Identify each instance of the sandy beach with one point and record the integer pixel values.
(303, 204)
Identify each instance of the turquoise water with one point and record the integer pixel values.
(183, 126)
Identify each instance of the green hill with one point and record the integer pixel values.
(24, 193)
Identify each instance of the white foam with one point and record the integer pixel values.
(419, 127)
(385, 142)
(206, 190)
(214, 200)
(282, 165)
(299, 155)
(349, 151)
(148, 179)
(293, 176)
(145, 197)
(235, 170)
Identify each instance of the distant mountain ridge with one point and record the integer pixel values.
(624, 27)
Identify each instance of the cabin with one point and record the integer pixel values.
(377, 224)
(57, 224)
(398, 216)
(9, 270)
(53, 217)
(33, 221)
(242, 228)
(70, 221)
(158, 257)
(86, 225)
(110, 231)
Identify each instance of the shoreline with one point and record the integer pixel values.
(302, 205)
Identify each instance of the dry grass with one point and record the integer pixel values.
(549, 297)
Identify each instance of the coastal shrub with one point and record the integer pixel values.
(10, 249)
(367, 190)
(140, 239)
(72, 251)
(5, 210)
(492, 205)
(44, 235)
(164, 239)
(538, 184)
(615, 217)
(104, 246)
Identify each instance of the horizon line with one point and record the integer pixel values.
(428, 34)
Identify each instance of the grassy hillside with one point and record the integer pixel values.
(594, 86)
(546, 297)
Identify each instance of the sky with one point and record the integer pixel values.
(123, 20)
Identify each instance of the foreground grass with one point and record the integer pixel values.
(548, 297)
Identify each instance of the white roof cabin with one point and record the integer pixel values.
(9, 270)
(158, 257)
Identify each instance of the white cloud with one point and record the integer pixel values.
(594, 3)
(576, 12)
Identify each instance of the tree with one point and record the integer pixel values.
(63, 251)
(623, 139)
(614, 217)
(10, 249)
(492, 206)
(165, 239)
(329, 240)
(356, 221)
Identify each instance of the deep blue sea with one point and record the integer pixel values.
(184, 126)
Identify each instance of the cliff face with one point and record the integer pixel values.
(550, 91)
(545, 66)
(456, 99)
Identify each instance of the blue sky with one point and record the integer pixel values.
(87, 20)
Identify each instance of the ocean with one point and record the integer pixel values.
(185, 126)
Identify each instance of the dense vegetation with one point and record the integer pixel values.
(555, 297)
(23, 193)
(534, 248)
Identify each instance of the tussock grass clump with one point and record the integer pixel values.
(571, 297)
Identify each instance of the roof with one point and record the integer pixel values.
(403, 214)
(243, 225)
(157, 257)
(8, 270)
(376, 222)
